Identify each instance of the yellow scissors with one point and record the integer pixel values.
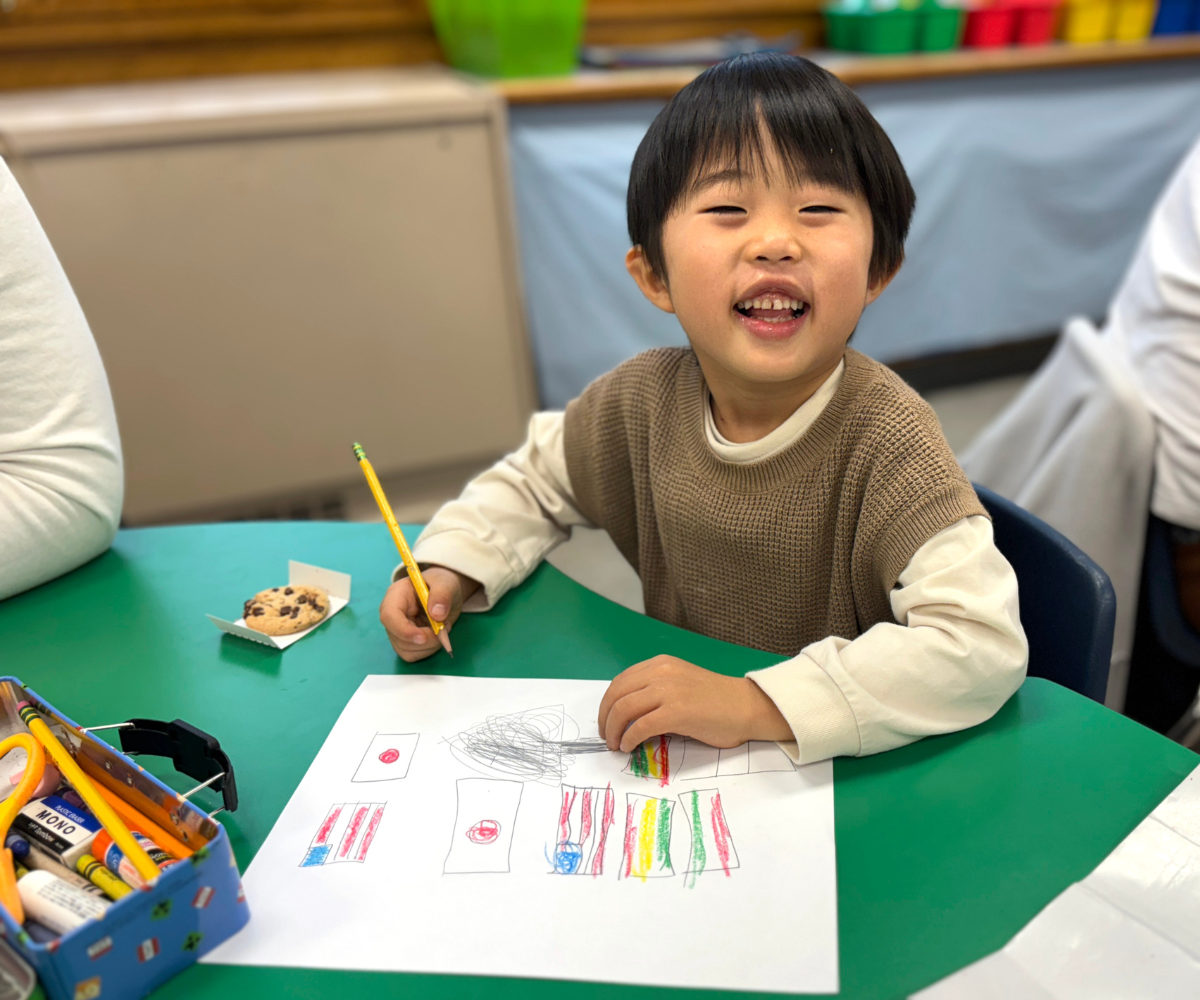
(34, 767)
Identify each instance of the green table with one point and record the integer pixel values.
(945, 848)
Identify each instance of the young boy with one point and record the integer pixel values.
(767, 209)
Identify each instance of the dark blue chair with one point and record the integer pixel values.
(1068, 606)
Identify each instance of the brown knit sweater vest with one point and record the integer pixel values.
(778, 553)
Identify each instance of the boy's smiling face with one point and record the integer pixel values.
(767, 275)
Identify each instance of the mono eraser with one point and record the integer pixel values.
(58, 828)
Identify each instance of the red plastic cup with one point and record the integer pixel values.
(990, 27)
(1035, 23)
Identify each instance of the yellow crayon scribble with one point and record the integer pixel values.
(648, 823)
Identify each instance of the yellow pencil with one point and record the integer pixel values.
(410, 564)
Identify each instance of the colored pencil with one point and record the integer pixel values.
(410, 564)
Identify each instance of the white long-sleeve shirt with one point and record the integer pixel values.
(1155, 319)
(957, 655)
(61, 481)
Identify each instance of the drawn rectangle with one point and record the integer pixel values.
(345, 834)
(585, 817)
(767, 756)
(647, 844)
(699, 761)
(734, 760)
(388, 757)
(651, 760)
(711, 845)
(483, 826)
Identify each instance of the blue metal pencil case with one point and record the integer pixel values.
(149, 935)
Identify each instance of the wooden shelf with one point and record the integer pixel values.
(617, 85)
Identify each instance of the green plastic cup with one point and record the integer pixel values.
(940, 28)
(509, 37)
(888, 31)
(841, 29)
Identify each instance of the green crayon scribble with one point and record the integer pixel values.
(639, 763)
(664, 834)
(698, 855)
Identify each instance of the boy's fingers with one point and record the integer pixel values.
(646, 728)
(617, 690)
(633, 706)
(441, 598)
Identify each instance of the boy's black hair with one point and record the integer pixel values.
(823, 133)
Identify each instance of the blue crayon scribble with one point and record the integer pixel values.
(567, 858)
(316, 856)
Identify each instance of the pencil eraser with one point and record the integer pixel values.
(58, 828)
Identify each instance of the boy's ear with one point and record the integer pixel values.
(876, 286)
(647, 279)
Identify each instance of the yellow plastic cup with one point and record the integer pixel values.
(1086, 22)
(1133, 19)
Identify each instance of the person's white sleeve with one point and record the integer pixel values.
(508, 518)
(1156, 315)
(61, 482)
(956, 657)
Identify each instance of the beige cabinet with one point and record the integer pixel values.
(275, 267)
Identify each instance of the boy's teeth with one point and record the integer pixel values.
(769, 303)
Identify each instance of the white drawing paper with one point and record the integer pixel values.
(512, 813)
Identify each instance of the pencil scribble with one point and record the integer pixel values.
(535, 745)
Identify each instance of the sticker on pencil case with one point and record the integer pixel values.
(299, 574)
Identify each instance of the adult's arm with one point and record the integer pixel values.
(61, 481)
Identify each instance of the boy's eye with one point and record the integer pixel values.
(723, 210)
(819, 209)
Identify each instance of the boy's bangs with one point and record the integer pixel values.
(741, 139)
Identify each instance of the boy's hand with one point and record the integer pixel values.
(404, 619)
(669, 695)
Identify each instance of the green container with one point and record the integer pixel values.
(509, 37)
(841, 30)
(888, 31)
(940, 28)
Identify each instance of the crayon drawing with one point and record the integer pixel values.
(652, 761)
(712, 847)
(585, 817)
(699, 760)
(535, 745)
(647, 846)
(388, 757)
(345, 834)
(484, 822)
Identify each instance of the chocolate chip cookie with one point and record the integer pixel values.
(284, 610)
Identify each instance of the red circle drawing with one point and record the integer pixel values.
(390, 756)
(484, 832)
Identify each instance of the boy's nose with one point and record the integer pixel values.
(775, 245)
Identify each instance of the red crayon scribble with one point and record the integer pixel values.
(564, 817)
(630, 840)
(585, 825)
(327, 826)
(720, 832)
(372, 827)
(610, 807)
(352, 831)
(484, 832)
(664, 761)
(390, 756)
